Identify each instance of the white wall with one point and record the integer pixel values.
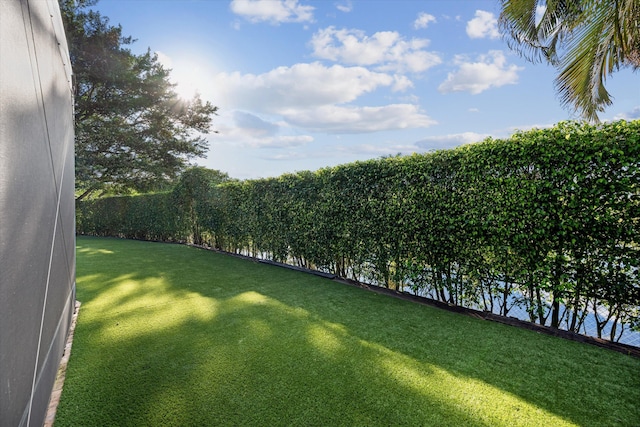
(37, 240)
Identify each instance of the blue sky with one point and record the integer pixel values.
(306, 84)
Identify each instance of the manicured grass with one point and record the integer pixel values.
(170, 335)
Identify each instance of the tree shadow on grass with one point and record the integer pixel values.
(187, 337)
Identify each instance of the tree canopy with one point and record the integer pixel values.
(133, 132)
(586, 40)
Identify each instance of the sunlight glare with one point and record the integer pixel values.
(192, 75)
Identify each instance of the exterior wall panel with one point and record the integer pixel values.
(37, 242)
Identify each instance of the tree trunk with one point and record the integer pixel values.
(85, 194)
(555, 322)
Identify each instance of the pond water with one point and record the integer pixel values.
(627, 336)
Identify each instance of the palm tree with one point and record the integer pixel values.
(586, 40)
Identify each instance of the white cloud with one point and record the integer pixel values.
(345, 7)
(313, 98)
(423, 20)
(441, 142)
(254, 125)
(251, 131)
(272, 11)
(281, 141)
(338, 119)
(387, 50)
(288, 156)
(449, 141)
(237, 136)
(401, 83)
(473, 110)
(629, 115)
(483, 25)
(489, 71)
(300, 86)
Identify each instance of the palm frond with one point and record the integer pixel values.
(586, 40)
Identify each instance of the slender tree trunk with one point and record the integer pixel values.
(437, 285)
(485, 304)
(504, 306)
(453, 297)
(578, 294)
(541, 317)
(532, 313)
(85, 194)
(555, 311)
(612, 334)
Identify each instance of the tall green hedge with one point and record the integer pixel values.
(548, 220)
(146, 217)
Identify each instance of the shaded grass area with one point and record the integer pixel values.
(174, 335)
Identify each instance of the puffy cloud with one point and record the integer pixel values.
(487, 72)
(272, 11)
(387, 50)
(338, 119)
(311, 97)
(423, 20)
(634, 114)
(251, 131)
(401, 83)
(484, 25)
(449, 141)
(299, 86)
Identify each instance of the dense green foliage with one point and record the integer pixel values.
(547, 220)
(148, 217)
(132, 130)
(175, 216)
(170, 335)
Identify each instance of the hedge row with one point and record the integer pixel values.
(547, 220)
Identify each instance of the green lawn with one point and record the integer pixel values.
(170, 335)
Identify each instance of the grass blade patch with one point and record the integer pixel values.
(174, 335)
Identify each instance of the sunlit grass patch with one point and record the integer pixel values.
(172, 335)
